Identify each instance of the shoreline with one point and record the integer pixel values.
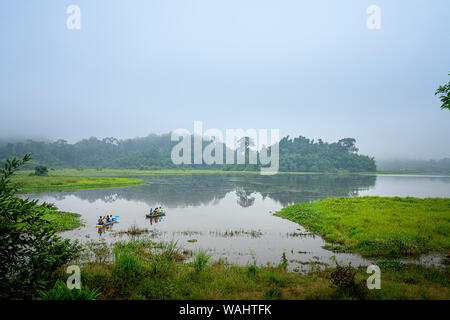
(142, 269)
(145, 269)
(36, 184)
(135, 172)
(377, 226)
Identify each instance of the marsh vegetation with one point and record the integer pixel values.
(144, 269)
(377, 226)
(38, 183)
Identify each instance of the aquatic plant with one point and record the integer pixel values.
(134, 230)
(237, 233)
(201, 260)
(284, 261)
(100, 250)
(188, 233)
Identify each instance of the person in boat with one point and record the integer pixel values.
(156, 210)
(151, 211)
(104, 220)
(100, 220)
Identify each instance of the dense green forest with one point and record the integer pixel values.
(153, 152)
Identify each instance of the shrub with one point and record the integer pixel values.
(343, 278)
(29, 248)
(40, 171)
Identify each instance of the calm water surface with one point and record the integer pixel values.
(231, 215)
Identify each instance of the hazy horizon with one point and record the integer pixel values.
(311, 69)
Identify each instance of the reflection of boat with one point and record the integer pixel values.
(114, 220)
(159, 214)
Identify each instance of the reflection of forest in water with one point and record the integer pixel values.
(195, 190)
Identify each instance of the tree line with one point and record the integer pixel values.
(297, 154)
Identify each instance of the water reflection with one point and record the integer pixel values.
(231, 215)
(244, 197)
(177, 191)
(105, 229)
(155, 219)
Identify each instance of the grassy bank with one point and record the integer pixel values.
(135, 172)
(29, 183)
(143, 269)
(377, 226)
(63, 221)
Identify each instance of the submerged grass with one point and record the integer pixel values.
(143, 269)
(373, 226)
(134, 230)
(237, 233)
(29, 183)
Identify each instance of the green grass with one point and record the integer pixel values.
(374, 226)
(135, 172)
(63, 221)
(29, 183)
(148, 270)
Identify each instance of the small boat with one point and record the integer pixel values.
(159, 214)
(114, 220)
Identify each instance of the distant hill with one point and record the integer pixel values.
(153, 152)
(404, 164)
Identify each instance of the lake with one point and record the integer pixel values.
(230, 215)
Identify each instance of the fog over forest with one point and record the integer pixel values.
(307, 69)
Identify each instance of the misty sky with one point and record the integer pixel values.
(308, 68)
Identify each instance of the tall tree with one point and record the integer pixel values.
(348, 144)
